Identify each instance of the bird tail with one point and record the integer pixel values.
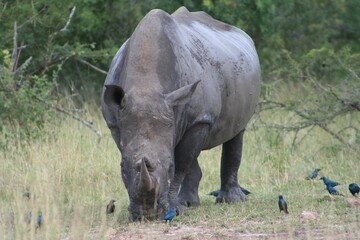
(213, 193)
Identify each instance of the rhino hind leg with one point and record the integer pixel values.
(188, 195)
(230, 163)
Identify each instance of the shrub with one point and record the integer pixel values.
(22, 114)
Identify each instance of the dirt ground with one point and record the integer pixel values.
(185, 232)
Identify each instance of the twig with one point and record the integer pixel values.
(65, 28)
(32, 18)
(294, 139)
(346, 128)
(93, 67)
(324, 127)
(353, 73)
(306, 134)
(53, 62)
(67, 112)
(24, 65)
(347, 103)
(14, 54)
(69, 20)
(19, 49)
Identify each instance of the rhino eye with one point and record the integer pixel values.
(114, 96)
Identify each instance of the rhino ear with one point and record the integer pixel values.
(181, 95)
(114, 96)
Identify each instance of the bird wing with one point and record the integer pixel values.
(169, 216)
(280, 205)
(285, 207)
(245, 191)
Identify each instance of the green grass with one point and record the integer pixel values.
(72, 176)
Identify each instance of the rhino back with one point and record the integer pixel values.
(225, 59)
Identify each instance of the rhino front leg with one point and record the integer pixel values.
(230, 163)
(187, 170)
(188, 195)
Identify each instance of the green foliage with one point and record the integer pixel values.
(294, 26)
(98, 28)
(22, 115)
(52, 34)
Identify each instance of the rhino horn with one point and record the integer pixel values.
(146, 183)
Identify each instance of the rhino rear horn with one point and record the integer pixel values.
(146, 183)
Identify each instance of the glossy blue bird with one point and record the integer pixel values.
(283, 204)
(217, 192)
(39, 220)
(314, 174)
(329, 182)
(354, 189)
(332, 190)
(170, 215)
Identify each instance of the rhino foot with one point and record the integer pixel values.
(189, 200)
(232, 195)
(189, 203)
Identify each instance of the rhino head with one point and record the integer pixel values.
(143, 125)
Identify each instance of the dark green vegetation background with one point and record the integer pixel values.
(55, 51)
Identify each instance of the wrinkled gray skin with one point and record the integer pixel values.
(180, 84)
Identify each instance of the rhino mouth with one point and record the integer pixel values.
(146, 203)
(145, 213)
(146, 210)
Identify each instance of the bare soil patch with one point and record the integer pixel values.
(201, 232)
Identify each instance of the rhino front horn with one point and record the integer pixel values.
(146, 183)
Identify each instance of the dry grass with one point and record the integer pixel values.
(72, 176)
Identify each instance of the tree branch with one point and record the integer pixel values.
(14, 55)
(64, 29)
(93, 67)
(340, 139)
(348, 103)
(69, 113)
(308, 119)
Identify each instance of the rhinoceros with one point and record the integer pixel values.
(182, 83)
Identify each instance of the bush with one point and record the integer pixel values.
(22, 114)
